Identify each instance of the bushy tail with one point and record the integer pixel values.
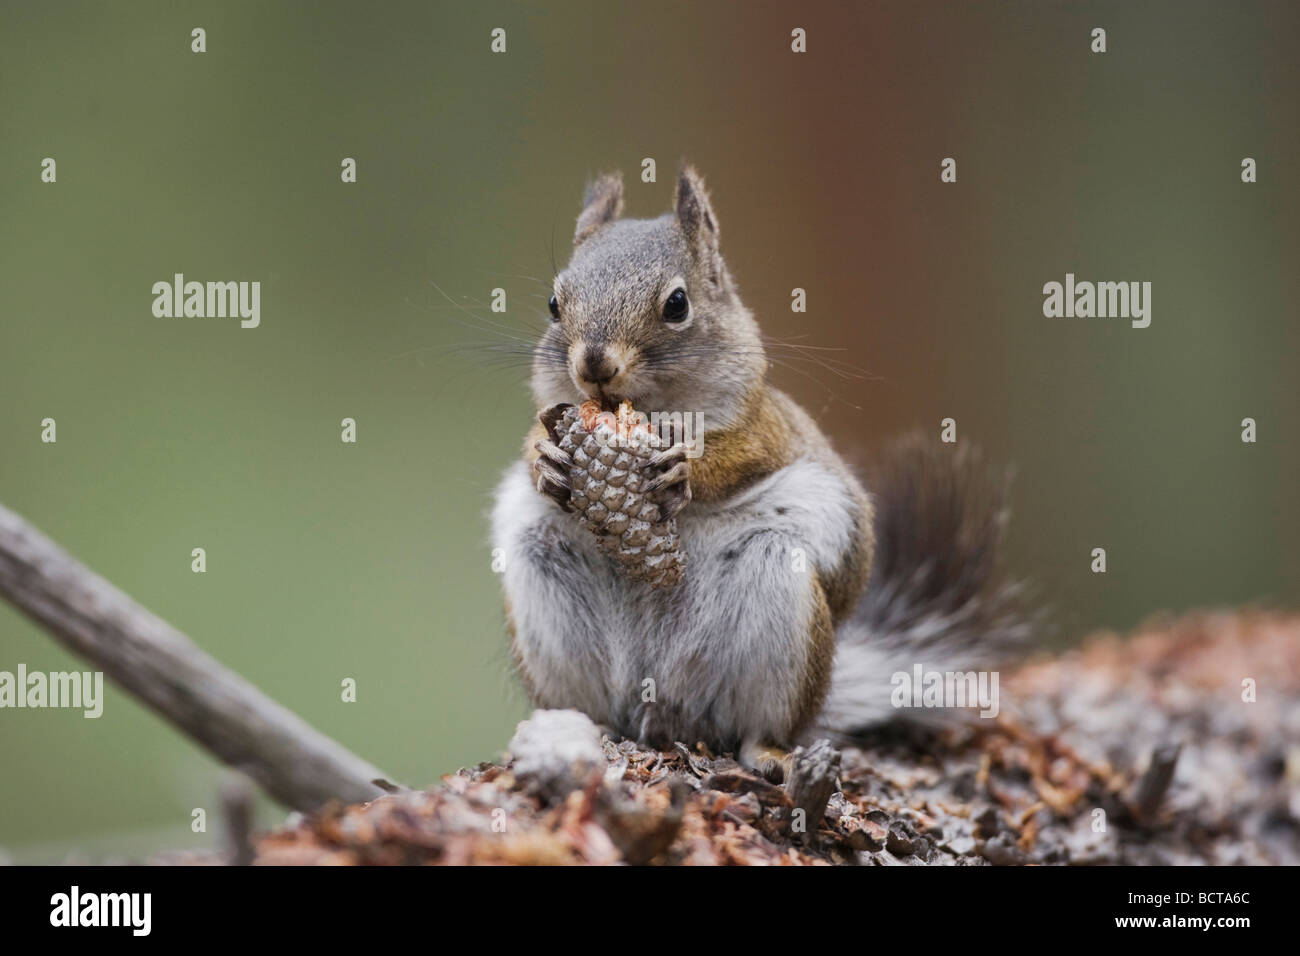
(936, 597)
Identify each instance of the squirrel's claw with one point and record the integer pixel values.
(552, 479)
(674, 484)
(668, 457)
(551, 470)
(677, 498)
(554, 453)
(679, 472)
(550, 418)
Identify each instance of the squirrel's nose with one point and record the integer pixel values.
(596, 366)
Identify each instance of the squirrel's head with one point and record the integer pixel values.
(646, 311)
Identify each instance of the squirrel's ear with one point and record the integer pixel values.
(601, 203)
(696, 217)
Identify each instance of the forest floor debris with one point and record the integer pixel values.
(1178, 745)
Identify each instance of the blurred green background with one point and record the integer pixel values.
(370, 561)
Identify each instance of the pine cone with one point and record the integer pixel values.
(611, 455)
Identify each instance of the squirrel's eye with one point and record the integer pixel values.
(676, 306)
(555, 309)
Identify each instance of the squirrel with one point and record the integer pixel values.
(747, 653)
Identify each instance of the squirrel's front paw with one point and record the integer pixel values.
(671, 487)
(551, 468)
